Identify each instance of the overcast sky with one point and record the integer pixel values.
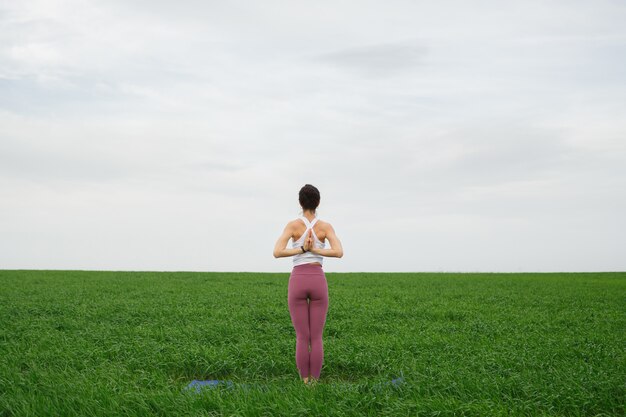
(443, 136)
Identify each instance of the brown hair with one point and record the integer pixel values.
(309, 197)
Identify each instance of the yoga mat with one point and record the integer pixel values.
(197, 385)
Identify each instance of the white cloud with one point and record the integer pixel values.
(160, 135)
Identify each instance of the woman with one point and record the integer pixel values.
(308, 281)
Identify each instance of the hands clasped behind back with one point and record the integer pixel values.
(308, 242)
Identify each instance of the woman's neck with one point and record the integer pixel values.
(309, 214)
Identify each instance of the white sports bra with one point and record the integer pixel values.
(308, 257)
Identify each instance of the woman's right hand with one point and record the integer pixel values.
(308, 242)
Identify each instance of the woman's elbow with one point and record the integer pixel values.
(340, 254)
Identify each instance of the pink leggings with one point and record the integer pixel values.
(308, 280)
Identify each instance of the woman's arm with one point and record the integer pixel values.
(280, 250)
(335, 244)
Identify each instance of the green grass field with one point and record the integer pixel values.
(85, 343)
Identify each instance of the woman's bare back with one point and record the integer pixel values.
(319, 228)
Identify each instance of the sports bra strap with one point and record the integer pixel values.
(308, 223)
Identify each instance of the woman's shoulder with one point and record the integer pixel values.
(323, 223)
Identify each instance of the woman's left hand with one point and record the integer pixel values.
(308, 242)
